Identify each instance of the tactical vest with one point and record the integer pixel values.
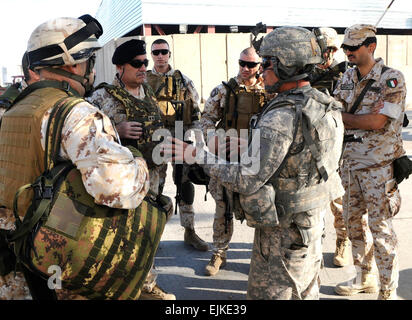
(144, 111)
(21, 154)
(319, 120)
(172, 88)
(102, 252)
(240, 105)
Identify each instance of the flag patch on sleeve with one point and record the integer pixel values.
(392, 83)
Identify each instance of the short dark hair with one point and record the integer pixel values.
(25, 66)
(160, 41)
(369, 40)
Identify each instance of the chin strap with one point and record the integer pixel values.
(275, 88)
(88, 87)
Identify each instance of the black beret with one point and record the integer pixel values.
(128, 50)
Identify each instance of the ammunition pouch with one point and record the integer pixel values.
(259, 207)
(240, 105)
(171, 88)
(402, 168)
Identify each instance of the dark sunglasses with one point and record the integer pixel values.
(138, 63)
(249, 64)
(162, 51)
(266, 62)
(351, 48)
(366, 43)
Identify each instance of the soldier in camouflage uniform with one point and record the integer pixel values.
(247, 89)
(367, 170)
(283, 190)
(324, 78)
(14, 287)
(169, 84)
(129, 91)
(8, 97)
(89, 140)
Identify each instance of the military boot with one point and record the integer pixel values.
(342, 253)
(192, 239)
(156, 293)
(215, 263)
(366, 283)
(387, 295)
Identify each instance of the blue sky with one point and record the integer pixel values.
(18, 18)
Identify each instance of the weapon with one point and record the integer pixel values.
(178, 172)
(259, 28)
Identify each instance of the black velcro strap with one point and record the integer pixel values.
(71, 41)
(81, 35)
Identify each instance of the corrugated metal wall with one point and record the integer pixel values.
(118, 17)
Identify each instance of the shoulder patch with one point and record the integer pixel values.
(347, 86)
(392, 83)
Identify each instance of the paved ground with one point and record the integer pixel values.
(181, 268)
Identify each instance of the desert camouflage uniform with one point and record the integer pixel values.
(284, 265)
(186, 211)
(212, 114)
(115, 110)
(91, 143)
(367, 171)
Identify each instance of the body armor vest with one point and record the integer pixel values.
(171, 88)
(21, 154)
(144, 111)
(240, 105)
(319, 124)
(103, 252)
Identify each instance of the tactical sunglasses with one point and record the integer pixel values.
(266, 62)
(249, 64)
(162, 51)
(366, 43)
(138, 63)
(350, 48)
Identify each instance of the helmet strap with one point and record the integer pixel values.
(80, 79)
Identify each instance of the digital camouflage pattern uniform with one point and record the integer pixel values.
(186, 211)
(211, 116)
(367, 171)
(286, 257)
(115, 110)
(91, 143)
(327, 79)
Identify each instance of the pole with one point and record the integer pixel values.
(384, 13)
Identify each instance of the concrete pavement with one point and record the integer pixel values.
(181, 268)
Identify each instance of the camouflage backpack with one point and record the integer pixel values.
(103, 252)
(144, 111)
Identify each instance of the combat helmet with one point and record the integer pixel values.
(293, 50)
(65, 41)
(331, 37)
